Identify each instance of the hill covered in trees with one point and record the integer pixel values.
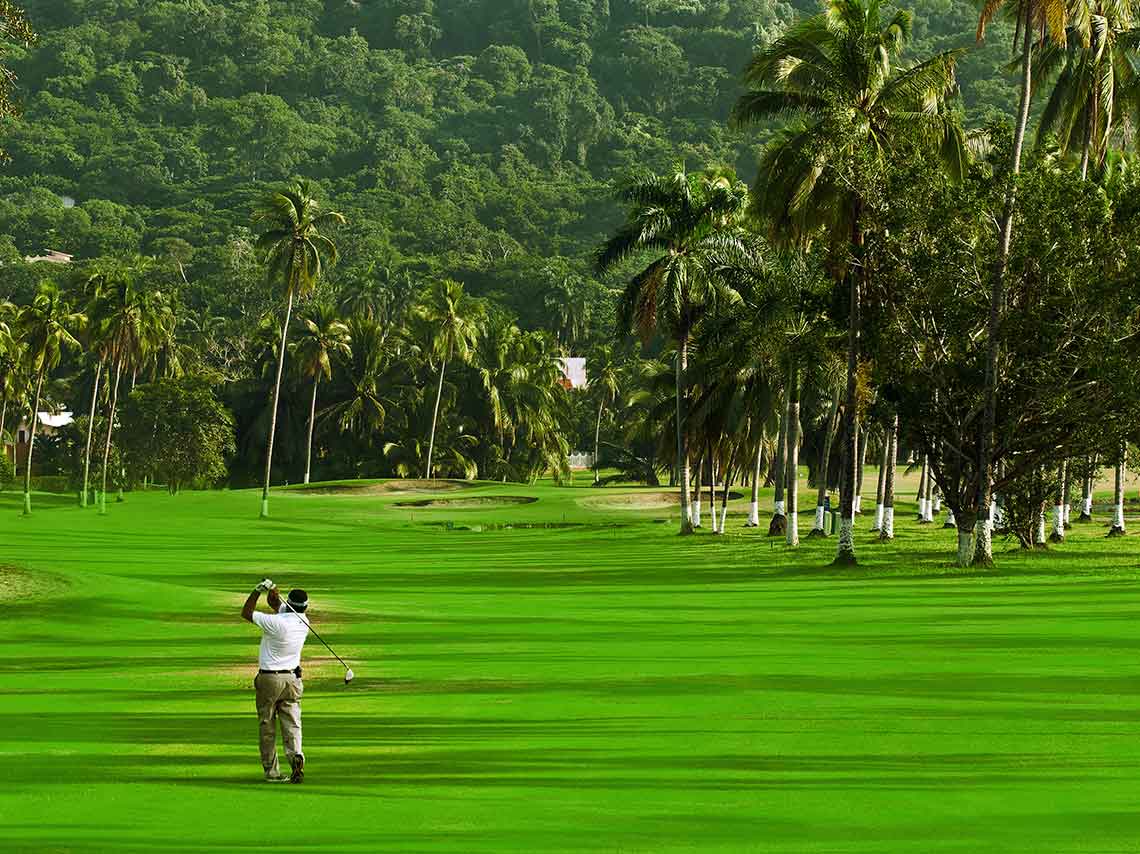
(475, 138)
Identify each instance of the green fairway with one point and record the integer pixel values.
(563, 674)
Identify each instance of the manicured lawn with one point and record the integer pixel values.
(589, 683)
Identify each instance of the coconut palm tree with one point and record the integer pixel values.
(454, 319)
(685, 223)
(132, 320)
(604, 377)
(48, 325)
(836, 73)
(1092, 74)
(296, 253)
(321, 338)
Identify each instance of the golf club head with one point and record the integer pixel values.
(349, 676)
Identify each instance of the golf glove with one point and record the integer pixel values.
(265, 586)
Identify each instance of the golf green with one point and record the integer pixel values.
(562, 674)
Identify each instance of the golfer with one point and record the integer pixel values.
(278, 681)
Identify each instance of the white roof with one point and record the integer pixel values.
(574, 369)
(55, 419)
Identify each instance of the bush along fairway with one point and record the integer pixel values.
(560, 674)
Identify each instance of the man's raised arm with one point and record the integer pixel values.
(251, 601)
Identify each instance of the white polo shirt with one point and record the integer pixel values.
(282, 637)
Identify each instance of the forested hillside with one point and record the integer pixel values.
(454, 135)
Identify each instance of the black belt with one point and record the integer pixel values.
(293, 671)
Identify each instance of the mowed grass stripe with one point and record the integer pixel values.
(601, 687)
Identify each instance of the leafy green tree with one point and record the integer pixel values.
(296, 254)
(836, 74)
(48, 326)
(684, 222)
(14, 27)
(322, 337)
(177, 431)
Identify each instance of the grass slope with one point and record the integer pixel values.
(564, 675)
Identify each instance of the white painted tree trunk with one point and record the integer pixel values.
(1067, 520)
(723, 518)
(937, 504)
(819, 518)
(780, 508)
(1087, 507)
(792, 535)
(878, 518)
(695, 509)
(950, 523)
(1039, 537)
(1118, 516)
(1058, 532)
(888, 530)
(754, 514)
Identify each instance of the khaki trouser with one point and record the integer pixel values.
(278, 697)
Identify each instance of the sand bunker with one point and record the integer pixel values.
(19, 585)
(388, 487)
(656, 500)
(475, 502)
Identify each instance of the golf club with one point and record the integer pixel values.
(348, 674)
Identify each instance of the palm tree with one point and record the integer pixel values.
(687, 221)
(322, 337)
(364, 408)
(1032, 17)
(12, 361)
(604, 377)
(836, 73)
(48, 325)
(1092, 75)
(454, 319)
(296, 254)
(131, 321)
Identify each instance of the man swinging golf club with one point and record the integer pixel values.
(278, 681)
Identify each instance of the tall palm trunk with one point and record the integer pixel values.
(90, 434)
(435, 419)
(276, 403)
(754, 504)
(887, 529)
(312, 421)
(792, 537)
(682, 438)
(983, 527)
(878, 526)
(32, 443)
(712, 488)
(830, 427)
(1117, 529)
(729, 474)
(845, 548)
(779, 522)
(695, 508)
(862, 443)
(598, 444)
(110, 428)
